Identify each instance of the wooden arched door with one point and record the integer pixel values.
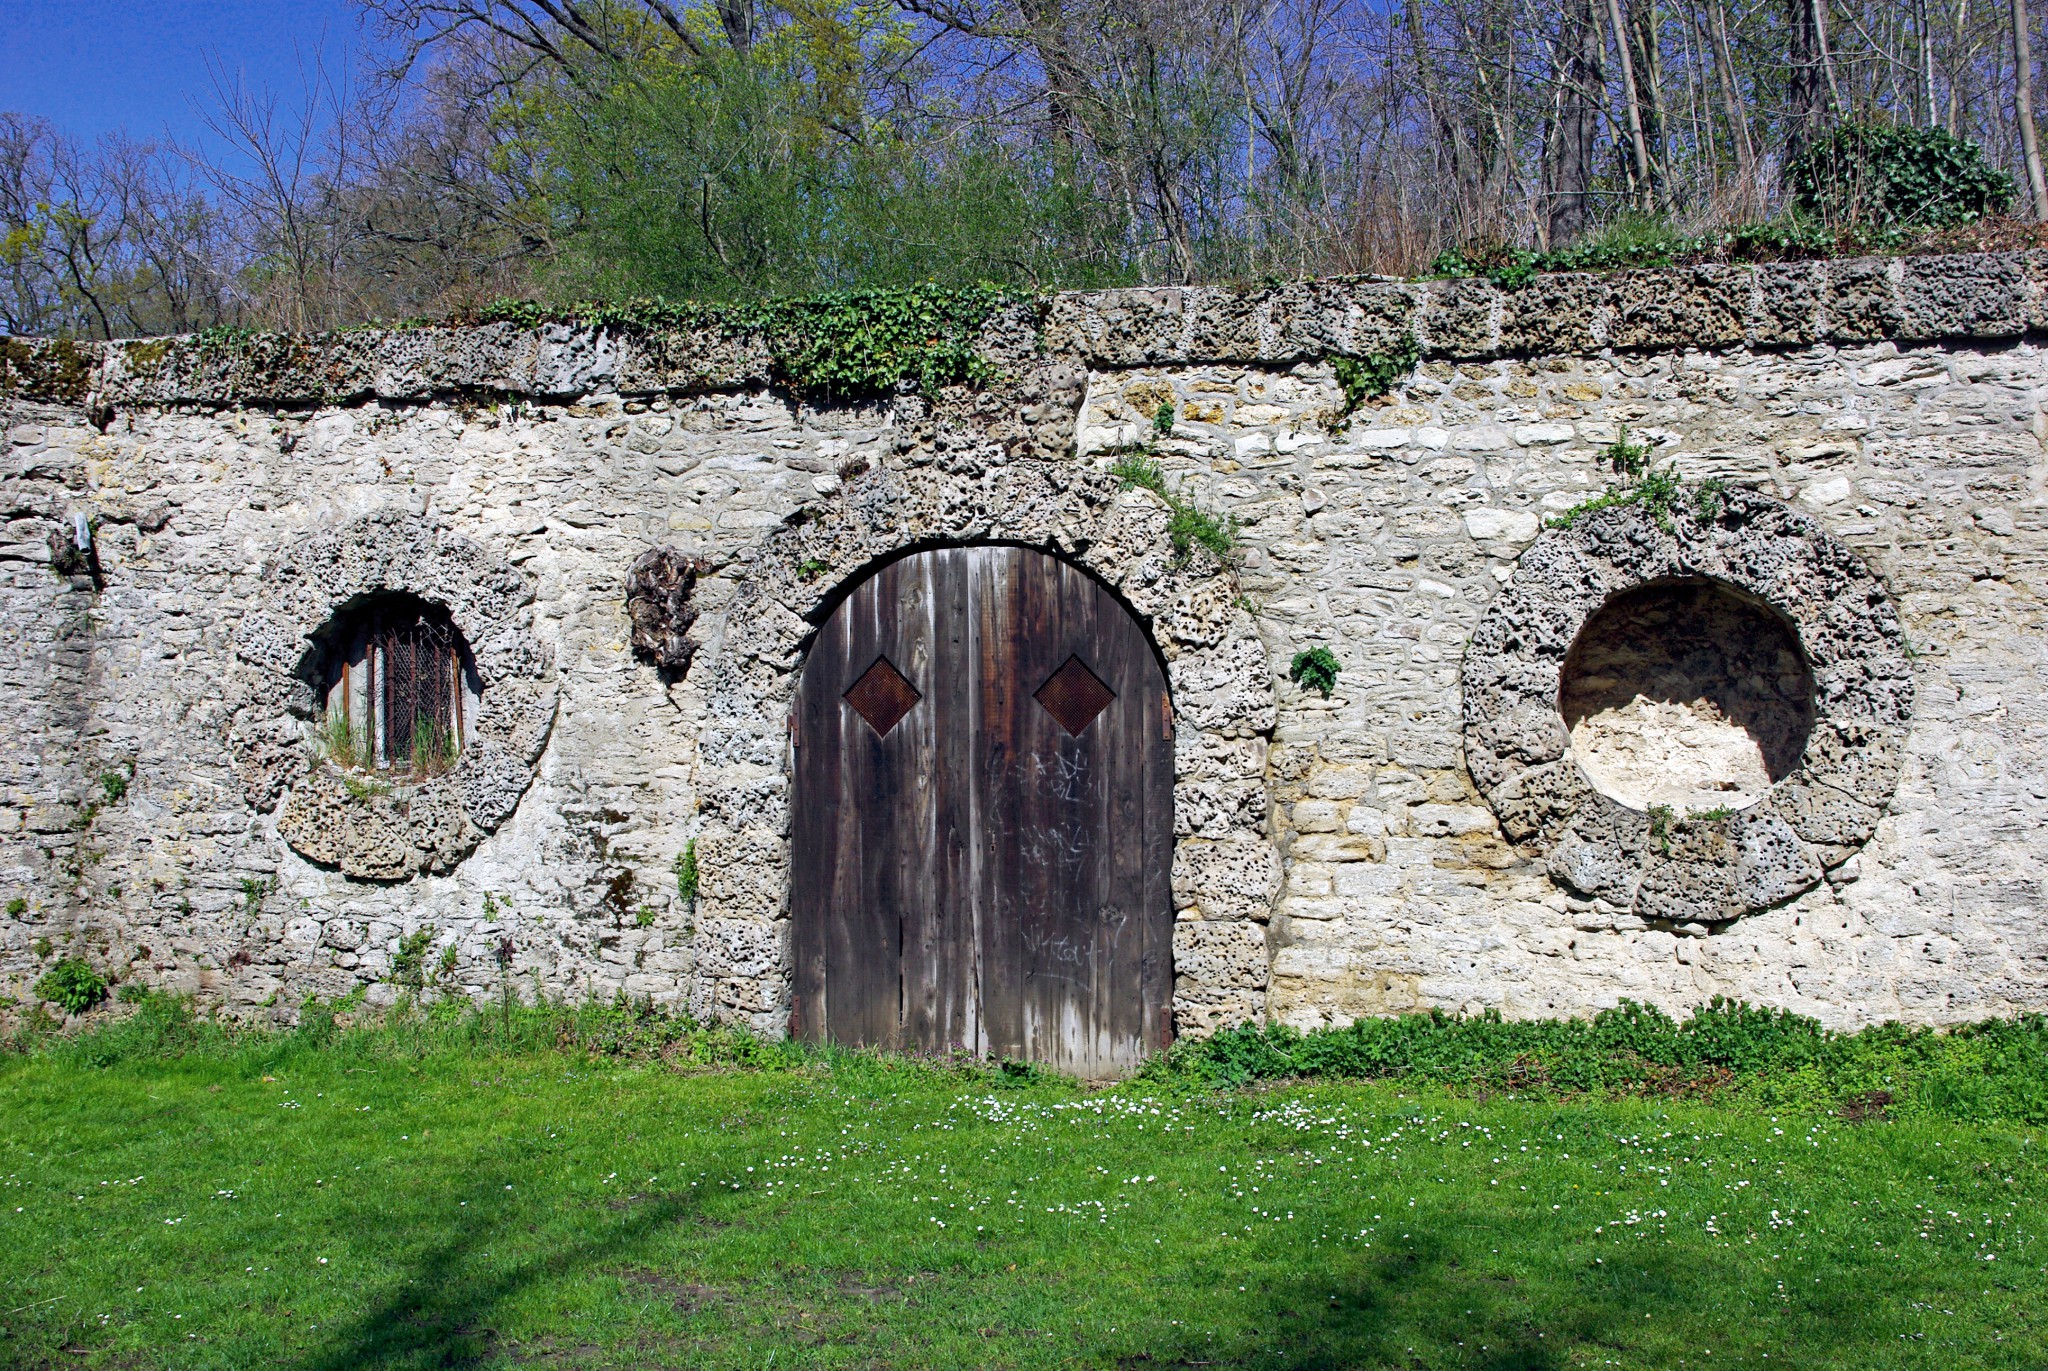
(983, 819)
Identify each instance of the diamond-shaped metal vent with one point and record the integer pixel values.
(1074, 695)
(882, 696)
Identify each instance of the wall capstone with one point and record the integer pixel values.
(1226, 870)
(425, 827)
(1700, 870)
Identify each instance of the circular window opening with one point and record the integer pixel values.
(1686, 695)
(398, 687)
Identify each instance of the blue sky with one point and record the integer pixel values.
(93, 66)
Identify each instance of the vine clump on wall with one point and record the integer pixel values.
(852, 343)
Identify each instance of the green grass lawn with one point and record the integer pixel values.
(326, 1208)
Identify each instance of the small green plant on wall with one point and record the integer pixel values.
(72, 984)
(1315, 669)
(686, 871)
(1188, 524)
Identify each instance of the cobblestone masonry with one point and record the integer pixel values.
(1337, 857)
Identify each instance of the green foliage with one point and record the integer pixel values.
(686, 871)
(1770, 1058)
(1315, 669)
(643, 917)
(851, 343)
(1137, 470)
(1642, 241)
(1375, 374)
(1889, 177)
(1630, 459)
(1710, 498)
(42, 948)
(1188, 525)
(73, 984)
(409, 967)
(115, 785)
(1657, 492)
(1162, 419)
(18, 906)
(256, 889)
(1660, 826)
(448, 960)
(344, 744)
(739, 176)
(810, 568)
(434, 748)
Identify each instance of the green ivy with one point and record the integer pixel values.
(852, 343)
(1375, 374)
(1316, 669)
(1892, 177)
(73, 984)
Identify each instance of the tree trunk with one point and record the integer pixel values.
(1578, 125)
(1819, 9)
(1805, 100)
(1635, 110)
(1649, 64)
(1731, 100)
(2023, 106)
(1925, 34)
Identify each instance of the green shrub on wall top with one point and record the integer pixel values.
(850, 343)
(1888, 177)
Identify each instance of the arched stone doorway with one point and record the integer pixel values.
(982, 825)
(743, 685)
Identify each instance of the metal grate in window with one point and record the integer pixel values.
(882, 696)
(1074, 695)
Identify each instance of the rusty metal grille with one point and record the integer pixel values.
(420, 661)
(1074, 695)
(882, 696)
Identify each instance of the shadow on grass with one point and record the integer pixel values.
(443, 1315)
(1423, 1307)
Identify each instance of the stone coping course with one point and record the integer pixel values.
(1975, 296)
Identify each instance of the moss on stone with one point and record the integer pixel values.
(57, 369)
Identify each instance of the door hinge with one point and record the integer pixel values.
(1166, 718)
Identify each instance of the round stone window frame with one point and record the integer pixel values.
(1226, 870)
(431, 825)
(1676, 868)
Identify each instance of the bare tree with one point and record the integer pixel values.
(2023, 107)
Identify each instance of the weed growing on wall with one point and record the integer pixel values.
(1188, 524)
(1315, 669)
(73, 985)
(1657, 492)
(409, 967)
(686, 871)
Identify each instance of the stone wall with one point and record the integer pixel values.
(1339, 856)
